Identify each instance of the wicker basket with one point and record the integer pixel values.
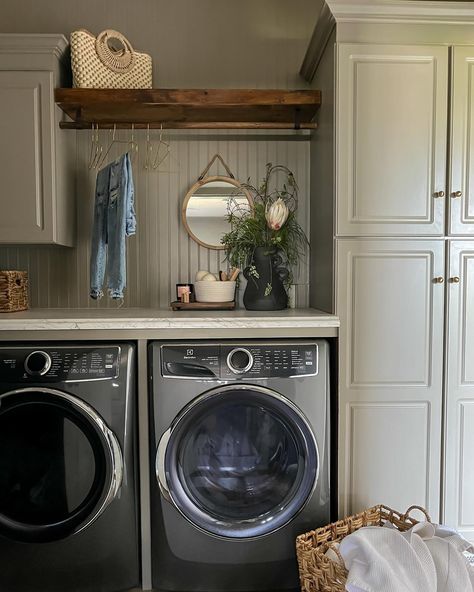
(318, 573)
(13, 291)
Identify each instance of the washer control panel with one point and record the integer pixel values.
(237, 361)
(58, 364)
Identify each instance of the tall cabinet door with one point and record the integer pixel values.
(391, 139)
(459, 470)
(390, 302)
(461, 186)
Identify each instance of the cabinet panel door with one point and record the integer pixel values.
(461, 216)
(459, 481)
(390, 383)
(391, 139)
(26, 163)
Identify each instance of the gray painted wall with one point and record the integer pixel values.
(194, 43)
(322, 187)
(210, 43)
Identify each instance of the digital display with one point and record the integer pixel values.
(268, 361)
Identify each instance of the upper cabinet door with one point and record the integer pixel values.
(461, 190)
(391, 139)
(26, 143)
(459, 446)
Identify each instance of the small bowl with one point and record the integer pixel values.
(214, 291)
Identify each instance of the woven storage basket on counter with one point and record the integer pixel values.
(13, 291)
(318, 573)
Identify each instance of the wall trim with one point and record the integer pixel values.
(392, 11)
(38, 43)
(319, 39)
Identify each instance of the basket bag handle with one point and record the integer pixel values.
(118, 60)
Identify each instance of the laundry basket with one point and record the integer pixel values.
(318, 573)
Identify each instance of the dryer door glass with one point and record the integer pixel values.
(56, 466)
(241, 462)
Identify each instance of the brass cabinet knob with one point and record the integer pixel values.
(438, 194)
(456, 194)
(438, 280)
(454, 280)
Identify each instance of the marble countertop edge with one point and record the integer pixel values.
(129, 319)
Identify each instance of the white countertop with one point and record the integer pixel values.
(142, 319)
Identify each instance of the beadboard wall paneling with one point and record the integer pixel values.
(161, 254)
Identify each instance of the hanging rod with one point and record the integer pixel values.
(213, 125)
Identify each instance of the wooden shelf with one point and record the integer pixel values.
(198, 109)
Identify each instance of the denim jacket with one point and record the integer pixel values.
(114, 219)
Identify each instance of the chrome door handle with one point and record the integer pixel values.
(438, 194)
(438, 280)
(454, 280)
(455, 194)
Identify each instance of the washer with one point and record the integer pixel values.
(239, 461)
(68, 499)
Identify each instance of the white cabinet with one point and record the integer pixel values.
(461, 186)
(459, 455)
(401, 78)
(391, 139)
(392, 181)
(37, 159)
(390, 384)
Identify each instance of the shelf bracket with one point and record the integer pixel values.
(78, 115)
(297, 118)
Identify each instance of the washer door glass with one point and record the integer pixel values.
(56, 466)
(240, 462)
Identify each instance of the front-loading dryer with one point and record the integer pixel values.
(68, 499)
(239, 461)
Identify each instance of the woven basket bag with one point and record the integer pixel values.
(95, 64)
(318, 573)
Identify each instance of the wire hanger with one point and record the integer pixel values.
(96, 147)
(155, 155)
(133, 147)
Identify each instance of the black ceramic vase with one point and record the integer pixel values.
(265, 276)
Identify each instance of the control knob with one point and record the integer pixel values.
(239, 360)
(37, 363)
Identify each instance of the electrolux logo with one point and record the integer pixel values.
(189, 354)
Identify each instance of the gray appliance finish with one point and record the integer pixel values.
(68, 482)
(239, 462)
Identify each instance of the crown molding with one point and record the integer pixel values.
(393, 11)
(24, 43)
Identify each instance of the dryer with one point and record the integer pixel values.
(239, 461)
(68, 487)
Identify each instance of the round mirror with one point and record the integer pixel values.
(207, 205)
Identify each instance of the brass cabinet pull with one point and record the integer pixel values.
(454, 280)
(455, 194)
(438, 194)
(438, 280)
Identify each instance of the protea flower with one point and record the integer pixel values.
(277, 214)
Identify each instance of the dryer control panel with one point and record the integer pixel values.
(58, 364)
(239, 360)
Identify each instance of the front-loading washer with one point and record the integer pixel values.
(68, 487)
(239, 461)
